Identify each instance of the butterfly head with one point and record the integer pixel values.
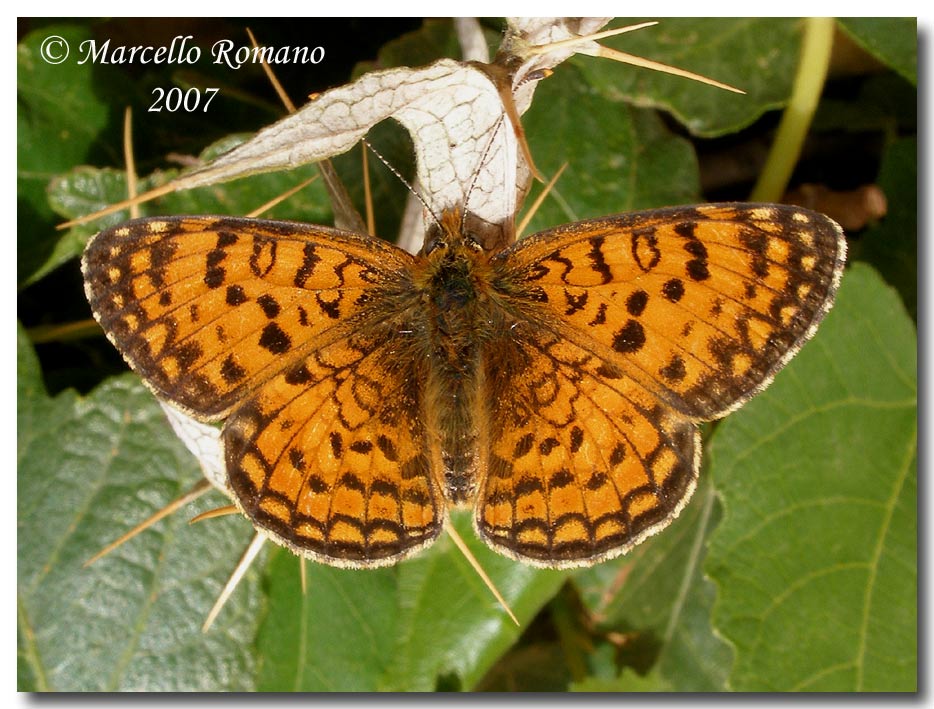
(449, 235)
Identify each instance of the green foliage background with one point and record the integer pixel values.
(793, 568)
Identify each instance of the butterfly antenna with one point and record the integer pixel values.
(476, 174)
(405, 182)
(194, 493)
(249, 555)
(462, 546)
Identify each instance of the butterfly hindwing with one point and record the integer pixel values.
(331, 457)
(581, 463)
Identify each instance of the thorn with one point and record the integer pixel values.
(616, 55)
(515, 120)
(282, 197)
(40, 334)
(283, 96)
(538, 201)
(345, 215)
(479, 569)
(571, 41)
(145, 197)
(625, 58)
(368, 195)
(216, 512)
(249, 554)
(199, 489)
(129, 159)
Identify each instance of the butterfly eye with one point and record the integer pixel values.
(432, 244)
(473, 242)
(436, 237)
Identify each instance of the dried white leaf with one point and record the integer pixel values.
(470, 37)
(443, 102)
(527, 36)
(462, 119)
(204, 442)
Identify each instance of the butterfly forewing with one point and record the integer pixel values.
(701, 305)
(206, 308)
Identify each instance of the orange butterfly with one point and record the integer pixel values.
(556, 385)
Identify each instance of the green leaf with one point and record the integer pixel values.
(648, 165)
(815, 559)
(891, 40)
(657, 596)
(89, 469)
(426, 623)
(62, 117)
(334, 637)
(758, 56)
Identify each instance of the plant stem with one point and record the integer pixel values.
(805, 93)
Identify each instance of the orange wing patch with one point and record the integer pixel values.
(331, 457)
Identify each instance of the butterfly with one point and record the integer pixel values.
(556, 385)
